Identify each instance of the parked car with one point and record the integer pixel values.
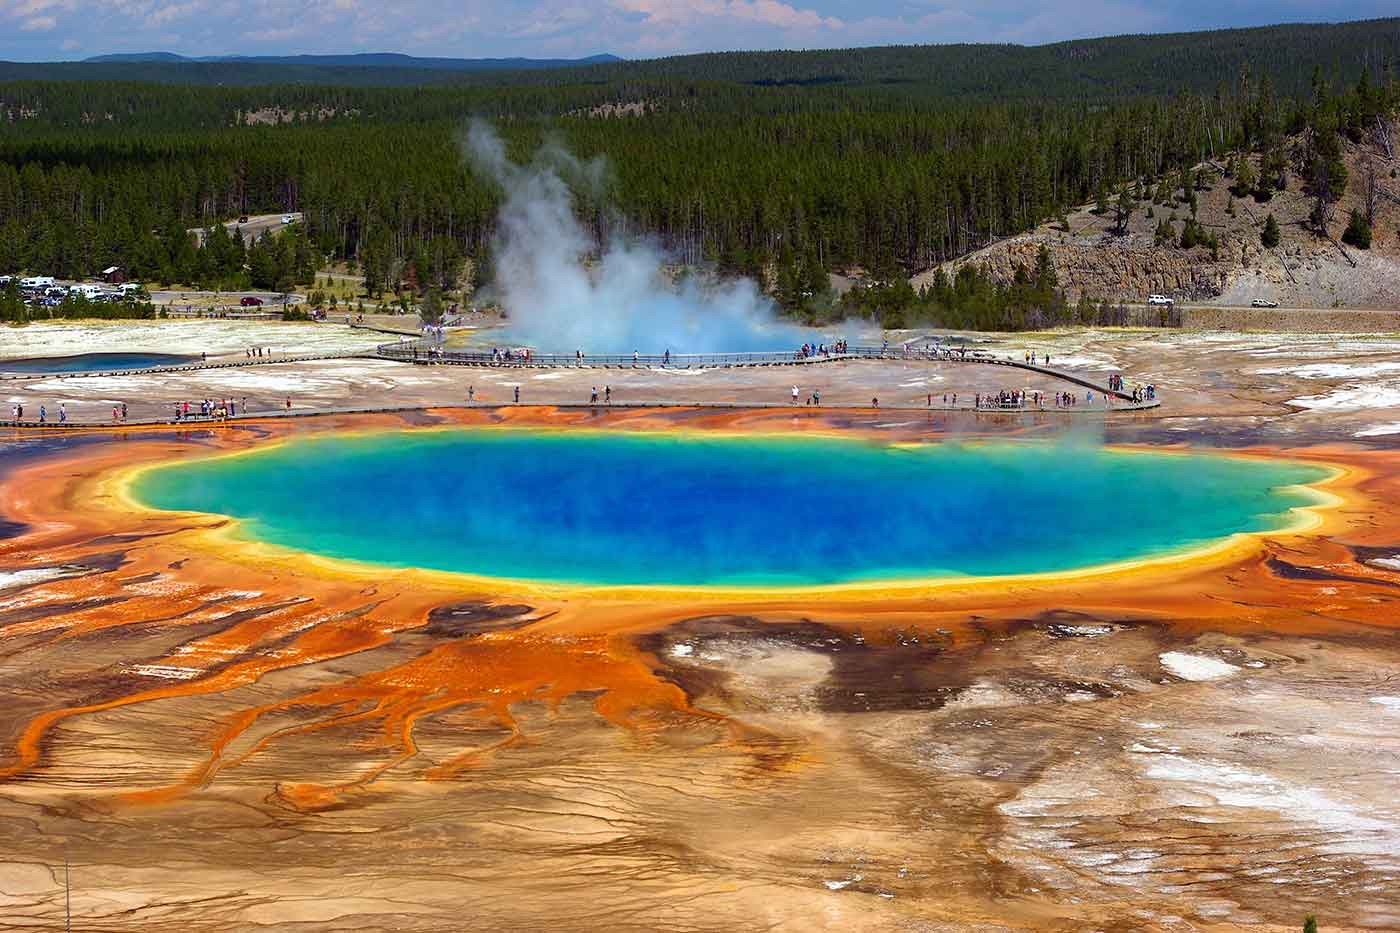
(1159, 300)
(248, 301)
(288, 218)
(1263, 303)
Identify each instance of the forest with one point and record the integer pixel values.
(803, 163)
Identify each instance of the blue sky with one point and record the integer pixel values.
(36, 30)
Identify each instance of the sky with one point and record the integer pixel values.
(49, 30)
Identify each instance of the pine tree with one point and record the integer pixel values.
(1245, 178)
(1358, 231)
(431, 309)
(1270, 236)
(1123, 210)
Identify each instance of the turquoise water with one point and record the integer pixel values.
(93, 362)
(613, 507)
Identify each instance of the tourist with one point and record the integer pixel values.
(471, 393)
(43, 414)
(607, 395)
(593, 399)
(289, 403)
(875, 403)
(62, 412)
(634, 358)
(114, 414)
(517, 395)
(816, 397)
(794, 395)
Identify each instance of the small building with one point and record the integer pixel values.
(113, 275)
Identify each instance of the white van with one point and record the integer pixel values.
(1160, 300)
(36, 281)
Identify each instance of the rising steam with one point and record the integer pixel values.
(622, 302)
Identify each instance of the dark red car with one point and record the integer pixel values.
(248, 301)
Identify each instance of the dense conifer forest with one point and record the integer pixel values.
(887, 159)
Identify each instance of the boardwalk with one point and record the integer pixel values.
(426, 353)
(417, 352)
(599, 408)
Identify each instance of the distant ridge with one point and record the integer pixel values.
(1113, 67)
(360, 60)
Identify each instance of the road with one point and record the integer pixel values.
(257, 225)
(198, 299)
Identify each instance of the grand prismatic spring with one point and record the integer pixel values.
(692, 509)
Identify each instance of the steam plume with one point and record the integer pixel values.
(621, 303)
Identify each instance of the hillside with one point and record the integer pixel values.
(1097, 69)
(383, 69)
(359, 60)
(1305, 270)
(743, 176)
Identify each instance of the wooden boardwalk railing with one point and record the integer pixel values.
(428, 353)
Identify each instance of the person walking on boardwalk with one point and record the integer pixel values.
(794, 395)
(62, 412)
(43, 414)
(471, 393)
(593, 399)
(607, 395)
(517, 395)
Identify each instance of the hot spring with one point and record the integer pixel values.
(607, 507)
(94, 362)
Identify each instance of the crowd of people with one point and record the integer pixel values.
(1139, 393)
(509, 355)
(208, 408)
(809, 350)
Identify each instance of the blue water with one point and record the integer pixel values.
(614, 507)
(93, 362)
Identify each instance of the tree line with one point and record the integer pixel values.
(804, 178)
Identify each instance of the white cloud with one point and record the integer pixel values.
(38, 24)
